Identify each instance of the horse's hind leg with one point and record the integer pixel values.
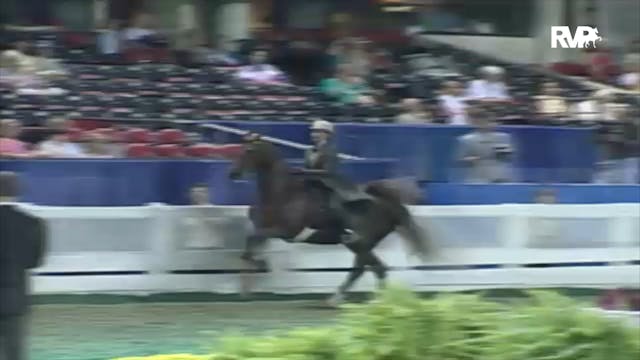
(359, 267)
(378, 267)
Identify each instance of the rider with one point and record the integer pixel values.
(321, 168)
(322, 155)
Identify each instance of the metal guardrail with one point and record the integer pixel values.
(273, 140)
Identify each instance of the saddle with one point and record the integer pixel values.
(345, 190)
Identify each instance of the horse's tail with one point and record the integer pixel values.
(415, 236)
(396, 193)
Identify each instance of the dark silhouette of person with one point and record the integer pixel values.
(22, 245)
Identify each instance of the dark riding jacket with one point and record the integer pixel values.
(323, 157)
(321, 169)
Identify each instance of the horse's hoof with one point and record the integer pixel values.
(261, 265)
(335, 301)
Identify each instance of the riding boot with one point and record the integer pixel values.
(348, 237)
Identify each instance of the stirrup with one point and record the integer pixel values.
(347, 237)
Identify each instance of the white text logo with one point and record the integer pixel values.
(584, 37)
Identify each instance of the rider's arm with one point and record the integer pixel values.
(329, 159)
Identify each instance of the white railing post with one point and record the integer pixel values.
(515, 228)
(161, 247)
(621, 227)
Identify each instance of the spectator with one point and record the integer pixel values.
(96, 145)
(601, 106)
(139, 28)
(630, 80)
(15, 70)
(199, 195)
(141, 32)
(491, 87)
(259, 71)
(550, 105)
(58, 144)
(358, 59)
(346, 88)
(381, 62)
(413, 113)
(47, 67)
(600, 63)
(184, 47)
(201, 229)
(109, 41)
(10, 146)
(20, 72)
(620, 148)
(22, 246)
(485, 153)
(545, 196)
(453, 104)
(215, 54)
(335, 56)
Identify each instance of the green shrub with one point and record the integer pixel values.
(397, 325)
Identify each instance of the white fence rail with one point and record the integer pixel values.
(160, 248)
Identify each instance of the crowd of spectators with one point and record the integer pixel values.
(617, 67)
(347, 73)
(28, 70)
(57, 142)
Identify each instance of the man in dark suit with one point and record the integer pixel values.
(22, 242)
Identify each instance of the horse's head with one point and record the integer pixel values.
(258, 155)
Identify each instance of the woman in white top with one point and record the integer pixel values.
(491, 87)
(58, 144)
(453, 103)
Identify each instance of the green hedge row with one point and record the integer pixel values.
(398, 325)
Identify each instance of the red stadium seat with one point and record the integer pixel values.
(138, 135)
(169, 150)
(140, 151)
(230, 151)
(170, 136)
(109, 133)
(199, 150)
(75, 134)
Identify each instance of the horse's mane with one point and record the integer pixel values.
(274, 166)
(268, 153)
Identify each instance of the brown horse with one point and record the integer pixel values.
(287, 210)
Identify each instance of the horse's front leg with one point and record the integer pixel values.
(255, 244)
(253, 255)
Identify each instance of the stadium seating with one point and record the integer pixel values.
(151, 95)
(142, 90)
(140, 151)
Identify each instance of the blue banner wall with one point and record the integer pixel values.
(544, 154)
(490, 194)
(135, 182)
(79, 182)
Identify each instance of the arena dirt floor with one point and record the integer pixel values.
(102, 332)
(102, 327)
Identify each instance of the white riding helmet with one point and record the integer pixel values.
(322, 125)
